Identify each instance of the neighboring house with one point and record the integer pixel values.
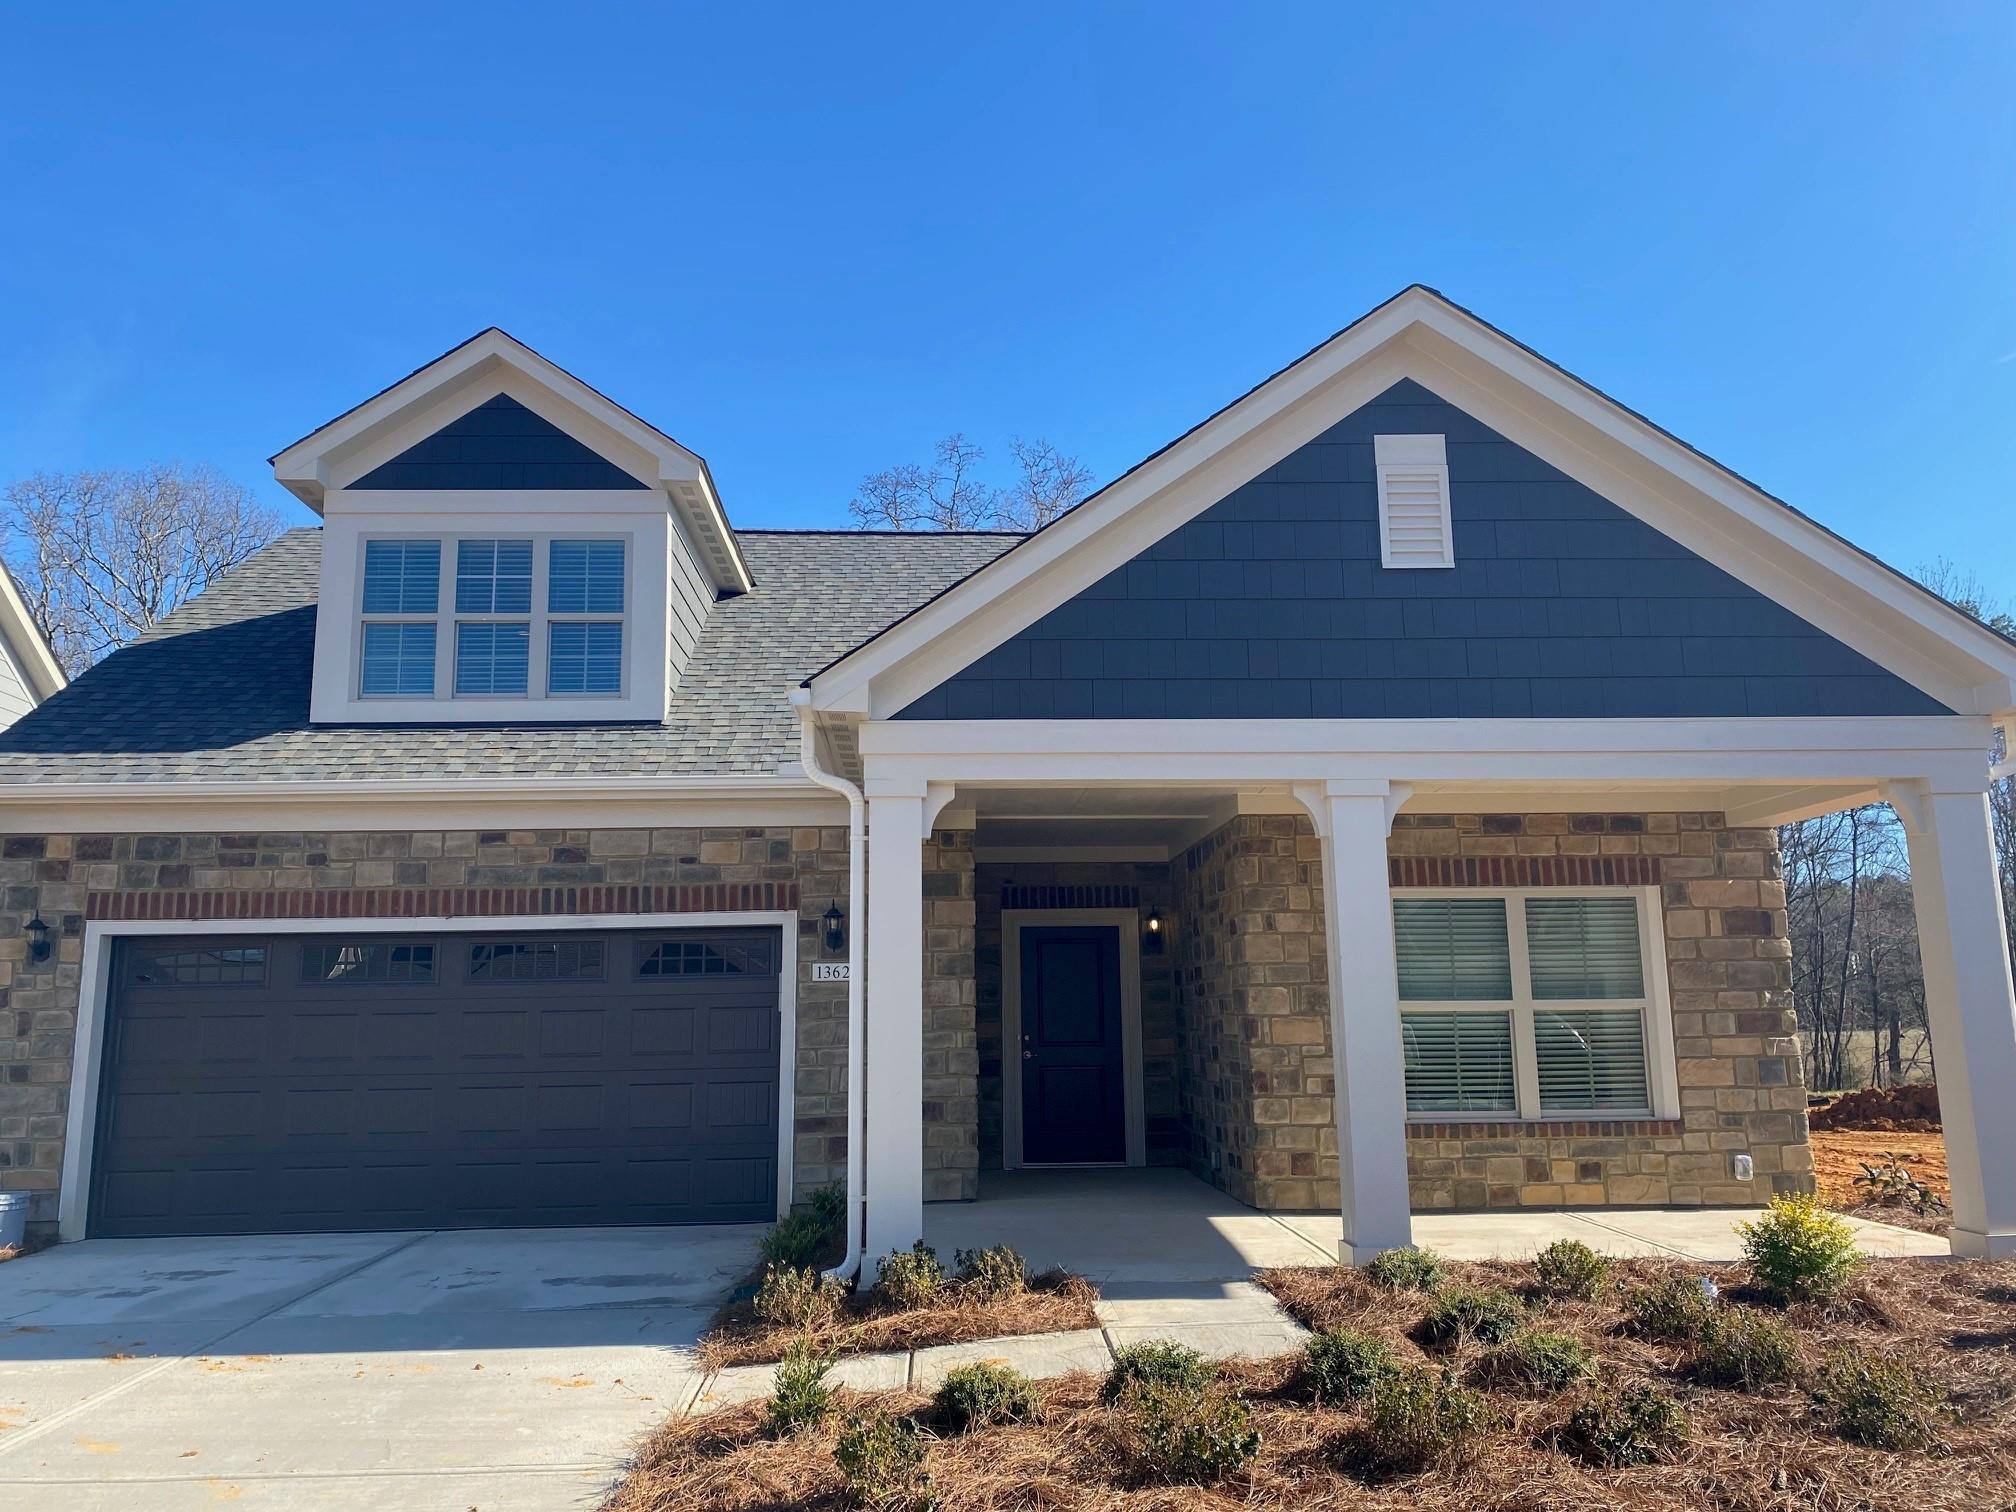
(29, 671)
(1366, 801)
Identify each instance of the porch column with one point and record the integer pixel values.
(893, 1150)
(1970, 1004)
(1352, 821)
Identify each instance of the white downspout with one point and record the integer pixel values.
(857, 892)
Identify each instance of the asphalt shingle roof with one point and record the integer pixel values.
(220, 691)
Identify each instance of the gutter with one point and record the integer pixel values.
(197, 790)
(857, 865)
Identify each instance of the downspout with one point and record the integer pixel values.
(857, 865)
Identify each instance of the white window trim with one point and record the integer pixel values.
(539, 620)
(95, 985)
(1662, 1072)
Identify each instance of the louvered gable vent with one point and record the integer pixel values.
(1413, 501)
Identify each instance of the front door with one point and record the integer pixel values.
(1074, 1099)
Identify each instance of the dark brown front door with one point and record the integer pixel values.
(1074, 1099)
(262, 1084)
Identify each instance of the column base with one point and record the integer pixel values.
(1353, 1253)
(1972, 1246)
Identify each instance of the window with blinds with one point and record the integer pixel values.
(1524, 1005)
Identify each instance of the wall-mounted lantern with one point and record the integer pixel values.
(38, 939)
(1152, 934)
(836, 935)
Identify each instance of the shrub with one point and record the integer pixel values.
(1892, 1184)
(795, 1297)
(1406, 1269)
(979, 1396)
(799, 1240)
(1342, 1365)
(1540, 1360)
(1154, 1362)
(802, 1398)
(1885, 1404)
(1189, 1435)
(1799, 1251)
(1634, 1426)
(828, 1204)
(912, 1277)
(1490, 1315)
(993, 1275)
(1419, 1419)
(1569, 1268)
(1747, 1349)
(882, 1459)
(1677, 1309)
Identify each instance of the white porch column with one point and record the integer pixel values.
(893, 1149)
(1352, 820)
(1970, 1004)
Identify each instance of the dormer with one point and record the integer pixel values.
(504, 545)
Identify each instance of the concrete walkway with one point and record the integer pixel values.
(505, 1371)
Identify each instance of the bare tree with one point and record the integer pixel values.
(103, 557)
(950, 494)
(1048, 484)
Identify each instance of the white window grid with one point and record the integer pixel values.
(446, 618)
(1655, 1006)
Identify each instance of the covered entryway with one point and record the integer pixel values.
(380, 1080)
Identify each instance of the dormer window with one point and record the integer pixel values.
(527, 614)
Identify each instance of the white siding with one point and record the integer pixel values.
(16, 696)
(690, 594)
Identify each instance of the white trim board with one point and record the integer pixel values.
(1127, 922)
(94, 990)
(1420, 335)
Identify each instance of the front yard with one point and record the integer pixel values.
(1570, 1383)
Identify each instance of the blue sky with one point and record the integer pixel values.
(808, 241)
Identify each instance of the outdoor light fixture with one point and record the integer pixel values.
(38, 939)
(836, 937)
(1151, 938)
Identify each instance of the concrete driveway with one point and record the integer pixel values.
(506, 1371)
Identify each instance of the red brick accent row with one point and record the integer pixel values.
(1524, 871)
(444, 902)
(1543, 1128)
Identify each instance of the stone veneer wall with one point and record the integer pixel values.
(1073, 884)
(367, 875)
(1253, 1010)
(951, 1048)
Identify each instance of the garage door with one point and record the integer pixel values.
(384, 1081)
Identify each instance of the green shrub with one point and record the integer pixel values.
(912, 1277)
(804, 1236)
(795, 1297)
(1569, 1268)
(1154, 1362)
(1342, 1365)
(1538, 1360)
(1634, 1426)
(979, 1396)
(1747, 1349)
(1421, 1419)
(1677, 1309)
(828, 1204)
(1885, 1404)
(801, 1398)
(1799, 1251)
(1189, 1435)
(1406, 1269)
(1489, 1315)
(882, 1459)
(993, 1275)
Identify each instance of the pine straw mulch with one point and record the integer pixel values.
(1055, 1302)
(1767, 1452)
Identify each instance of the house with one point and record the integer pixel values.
(29, 671)
(1365, 802)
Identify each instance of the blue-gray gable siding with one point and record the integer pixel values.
(1273, 604)
(499, 444)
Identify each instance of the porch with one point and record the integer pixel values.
(1289, 1087)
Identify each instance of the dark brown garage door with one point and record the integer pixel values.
(384, 1081)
